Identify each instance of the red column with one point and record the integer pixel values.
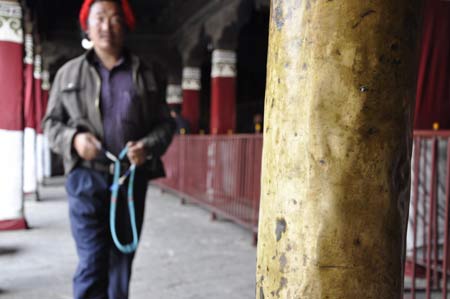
(47, 161)
(11, 116)
(29, 155)
(39, 115)
(223, 92)
(191, 97)
(174, 95)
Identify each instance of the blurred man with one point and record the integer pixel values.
(182, 125)
(101, 102)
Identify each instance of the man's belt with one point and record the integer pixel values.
(104, 167)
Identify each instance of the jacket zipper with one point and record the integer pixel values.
(97, 99)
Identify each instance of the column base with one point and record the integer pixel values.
(14, 224)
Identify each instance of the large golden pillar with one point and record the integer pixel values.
(337, 145)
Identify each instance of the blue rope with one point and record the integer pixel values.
(131, 247)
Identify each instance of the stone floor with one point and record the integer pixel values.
(182, 254)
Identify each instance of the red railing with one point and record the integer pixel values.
(222, 173)
(427, 264)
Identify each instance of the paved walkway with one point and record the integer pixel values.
(182, 254)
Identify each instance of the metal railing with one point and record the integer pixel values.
(222, 173)
(426, 271)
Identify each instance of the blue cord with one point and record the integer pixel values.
(131, 247)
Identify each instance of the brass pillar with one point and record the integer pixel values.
(337, 146)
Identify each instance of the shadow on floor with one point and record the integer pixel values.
(4, 251)
(54, 181)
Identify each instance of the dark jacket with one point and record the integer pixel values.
(74, 106)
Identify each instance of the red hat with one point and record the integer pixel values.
(130, 21)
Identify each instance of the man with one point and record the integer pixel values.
(182, 125)
(106, 100)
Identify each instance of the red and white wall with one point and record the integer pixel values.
(11, 117)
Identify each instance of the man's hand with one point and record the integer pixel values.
(137, 154)
(86, 145)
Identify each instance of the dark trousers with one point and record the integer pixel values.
(103, 272)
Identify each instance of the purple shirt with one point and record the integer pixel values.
(118, 106)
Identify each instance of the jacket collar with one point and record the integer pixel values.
(135, 62)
